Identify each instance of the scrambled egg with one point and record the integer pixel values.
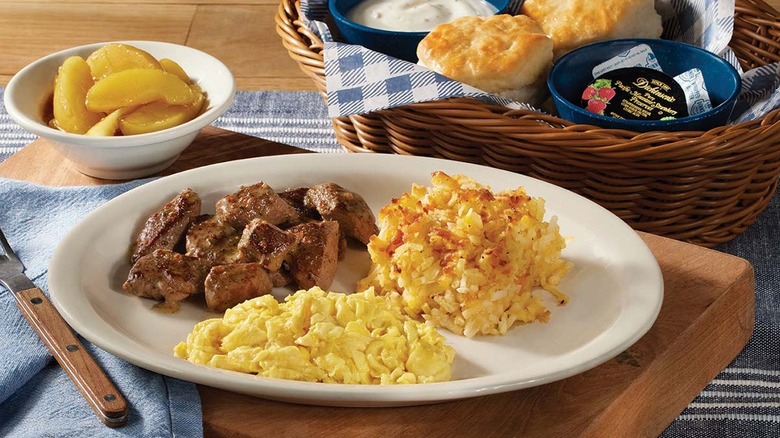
(322, 336)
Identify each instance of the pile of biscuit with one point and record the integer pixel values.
(510, 56)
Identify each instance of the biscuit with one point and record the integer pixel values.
(575, 23)
(501, 54)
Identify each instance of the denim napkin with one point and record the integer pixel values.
(36, 397)
(744, 399)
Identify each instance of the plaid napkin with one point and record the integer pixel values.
(360, 80)
(36, 397)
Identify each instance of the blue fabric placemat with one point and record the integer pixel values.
(742, 401)
(296, 118)
(37, 398)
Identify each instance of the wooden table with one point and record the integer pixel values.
(238, 32)
(706, 320)
(241, 33)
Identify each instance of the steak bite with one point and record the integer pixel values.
(295, 197)
(167, 276)
(165, 228)
(214, 240)
(228, 285)
(349, 209)
(267, 244)
(255, 201)
(256, 240)
(281, 278)
(315, 260)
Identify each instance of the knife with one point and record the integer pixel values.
(90, 379)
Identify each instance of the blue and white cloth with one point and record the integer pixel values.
(294, 118)
(360, 81)
(37, 398)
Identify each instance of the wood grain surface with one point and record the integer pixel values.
(706, 320)
(238, 32)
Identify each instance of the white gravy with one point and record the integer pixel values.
(415, 15)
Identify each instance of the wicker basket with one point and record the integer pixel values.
(699, 187)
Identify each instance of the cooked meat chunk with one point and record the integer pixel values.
(295, 197)
(281, 278)
(165, 228)
(315, 260)
(349, 209)
(267, 244)
(255, 201)
(211, 239)
(166, 276)
(342, 246)
(228, 285)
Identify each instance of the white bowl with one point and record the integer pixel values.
(120, 157)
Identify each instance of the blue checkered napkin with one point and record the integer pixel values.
(760, 93)
(360, 81)
(37, 399)
(708, 24)
(314, 13)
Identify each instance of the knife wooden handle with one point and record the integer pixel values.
(93, 383)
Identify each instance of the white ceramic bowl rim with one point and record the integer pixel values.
(216, 107)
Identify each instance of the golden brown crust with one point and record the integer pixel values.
(574, 23)
(494, 54)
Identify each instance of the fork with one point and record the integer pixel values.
(101, 394)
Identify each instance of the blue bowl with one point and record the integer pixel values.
(571, 74)
(402, 45)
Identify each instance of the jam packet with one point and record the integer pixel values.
(638, 56)
(635, 67)
(636, 93)
(692, 82)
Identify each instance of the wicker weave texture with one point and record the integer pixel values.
(700, 187)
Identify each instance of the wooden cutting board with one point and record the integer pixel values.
(706, 320)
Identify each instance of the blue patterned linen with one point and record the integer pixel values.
(742, 401)
(360, 81)
(37, 398)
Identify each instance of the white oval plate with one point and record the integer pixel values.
(615, 290)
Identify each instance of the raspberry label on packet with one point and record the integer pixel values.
(692, 81)
(636, 93)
